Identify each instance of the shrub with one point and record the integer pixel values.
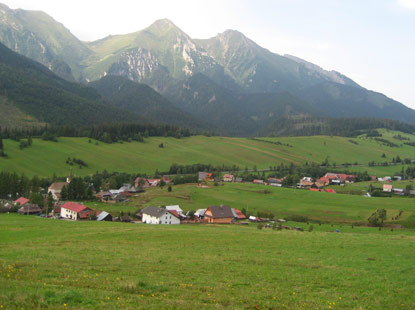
(297, 218)
(260, 226)
(310, 229)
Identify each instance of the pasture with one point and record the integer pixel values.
(44, 158)
(55, 264)
(282, 202)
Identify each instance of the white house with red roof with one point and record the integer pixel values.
(75, 211)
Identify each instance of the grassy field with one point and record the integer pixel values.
(282, 202)
(44, 158)
(362, 188)
(52, 264)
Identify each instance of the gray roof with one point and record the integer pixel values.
(154, 211)
(102, 215)
(221, 211)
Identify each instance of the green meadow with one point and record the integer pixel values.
(55, 264)
(282, 202)
(44, 158)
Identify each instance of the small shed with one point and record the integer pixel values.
(104, 216)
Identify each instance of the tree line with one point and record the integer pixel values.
(108, 133)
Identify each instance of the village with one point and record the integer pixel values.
(173, 214)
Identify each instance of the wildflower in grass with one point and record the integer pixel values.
(340, 298)
(64, 305)
(118, 298)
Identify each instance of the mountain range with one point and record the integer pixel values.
(227, 84)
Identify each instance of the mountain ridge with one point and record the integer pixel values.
(247, 81)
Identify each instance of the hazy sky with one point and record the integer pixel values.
(371, 41)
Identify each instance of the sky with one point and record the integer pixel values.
(370, 41)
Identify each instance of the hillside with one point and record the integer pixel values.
(142, 100)
(147, 157)
(42, 96)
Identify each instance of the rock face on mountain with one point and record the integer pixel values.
(38, 36)
(230, 81)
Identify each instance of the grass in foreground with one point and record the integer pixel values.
(51, 264)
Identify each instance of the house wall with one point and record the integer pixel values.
(226, 220)
(169, 219)
(148, 219)
(69, 214)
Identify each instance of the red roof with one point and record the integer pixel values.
(76, 207)
(22, 201)
(314, 189)
(174, 212)
(329, 190)
(239, 213)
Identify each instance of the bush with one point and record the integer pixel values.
(260, 226)
(310, 229)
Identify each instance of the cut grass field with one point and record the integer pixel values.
(44, 158)
(282, 202)
(52, 264)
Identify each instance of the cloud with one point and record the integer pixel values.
(407, 4)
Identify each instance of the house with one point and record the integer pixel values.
(29, 209)
(337, 178)
(175, 208)
(387, 188)
(346, 178)
(131, 189)
(21, 201)
(104, 196)
(237, 214)
(200, 213)
(219, 214)
(104, 216)
(75, 211)
(55, 189)
(238, 180)
(228, 178)
(306, 182)
(154, 215)
(398, 190)
(258, 182)
(146, 182)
